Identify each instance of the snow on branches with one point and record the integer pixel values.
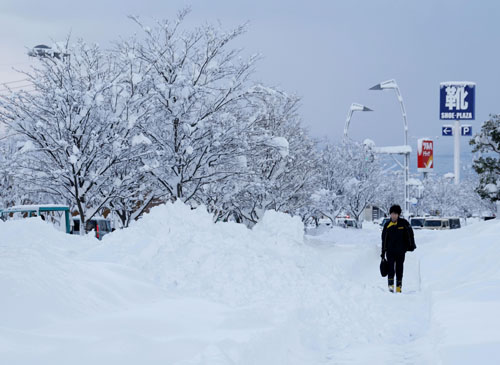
(75, 127)
(173, 114)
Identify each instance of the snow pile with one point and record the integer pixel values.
(462, 257)
(183, 249)
(43, 279)
(137, 295)
(461, 269)
(175, 288)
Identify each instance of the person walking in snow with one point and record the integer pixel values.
(397, 238)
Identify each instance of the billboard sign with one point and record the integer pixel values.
(425, 159)
(457, 100)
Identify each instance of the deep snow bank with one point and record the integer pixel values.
(461, 270)
(461, 257)
(44, 279)
(182, 249)
(150, 290)
(47, 274)
(137, 289)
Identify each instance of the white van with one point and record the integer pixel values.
(436, 223)
(417, 222)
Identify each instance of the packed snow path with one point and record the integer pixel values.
(446, 313)
(177, 289)
(380, 327)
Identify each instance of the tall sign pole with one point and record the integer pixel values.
(456, 151)
(457, 102)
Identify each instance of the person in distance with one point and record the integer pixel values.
(397, 239)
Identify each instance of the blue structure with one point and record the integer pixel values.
(35, 210)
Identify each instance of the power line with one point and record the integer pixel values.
(13, 82)
(15, 87)
(5, 92)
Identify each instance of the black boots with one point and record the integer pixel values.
(399, 285)
(391, 284)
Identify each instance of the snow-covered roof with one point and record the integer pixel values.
(396, 150)
(34, 207)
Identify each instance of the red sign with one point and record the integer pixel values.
(425, 155)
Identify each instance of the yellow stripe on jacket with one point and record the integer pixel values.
(391, 223)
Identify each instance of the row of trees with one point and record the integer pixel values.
(173, 114)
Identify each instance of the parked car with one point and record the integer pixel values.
(436, 223)
(442, 223)
(100, 226)
(349, 223)
(325, 222)
(454, 223)
(346, 222)
(384, 221)
(417, 222)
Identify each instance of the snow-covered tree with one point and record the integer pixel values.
(442, 197)
(280, 160)
(436, 194)
(78, 128)
(391, 190)
(488, 166)
(173, 114)
(194, 82)
(11, 191)
(469, 201)
(363, 184)
(333, 173)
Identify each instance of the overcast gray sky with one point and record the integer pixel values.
(327, 52)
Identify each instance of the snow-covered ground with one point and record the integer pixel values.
(174, 288)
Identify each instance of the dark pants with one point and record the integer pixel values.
(395, 261)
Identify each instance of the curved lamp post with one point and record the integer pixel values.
(392, 85)
(45, 51)
(354, 108)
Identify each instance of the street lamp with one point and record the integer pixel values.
(354, 108)
(45, 51)
(392, 85)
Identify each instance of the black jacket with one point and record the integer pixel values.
(397, 237)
